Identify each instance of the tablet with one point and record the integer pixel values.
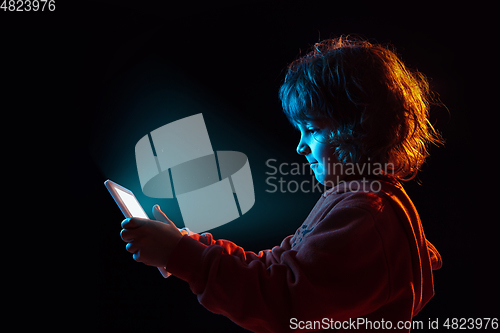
(126, 200)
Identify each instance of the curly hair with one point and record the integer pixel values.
(377, 108)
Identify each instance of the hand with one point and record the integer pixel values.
(151, 242)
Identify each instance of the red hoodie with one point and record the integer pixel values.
(360, 256)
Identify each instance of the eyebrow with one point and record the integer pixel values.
(310, 123)
(313, 122)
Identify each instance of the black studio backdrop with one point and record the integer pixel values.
(118, 69)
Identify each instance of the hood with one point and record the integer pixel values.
(425, 256)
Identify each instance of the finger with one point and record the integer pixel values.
(133, 222)
(186, 231)
(159, 215)
(127, 235)
(131, 247)
(137, 256)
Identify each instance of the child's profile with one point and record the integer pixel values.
(361, 258)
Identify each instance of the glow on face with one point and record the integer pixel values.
(314, 146)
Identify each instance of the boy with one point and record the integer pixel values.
(360, 260)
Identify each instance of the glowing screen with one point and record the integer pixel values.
(132, 204)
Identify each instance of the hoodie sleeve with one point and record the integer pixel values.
(268, 257)
(338, 271)
(229, 248)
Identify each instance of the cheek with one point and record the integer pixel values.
(323, 153)
(330, 166)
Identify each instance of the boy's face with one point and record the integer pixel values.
(314, 146)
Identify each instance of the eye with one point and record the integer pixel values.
(313, 130)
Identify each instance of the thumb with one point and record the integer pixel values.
(159, 215)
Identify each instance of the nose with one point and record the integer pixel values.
(303, 148)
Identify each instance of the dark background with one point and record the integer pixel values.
(105, 73)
